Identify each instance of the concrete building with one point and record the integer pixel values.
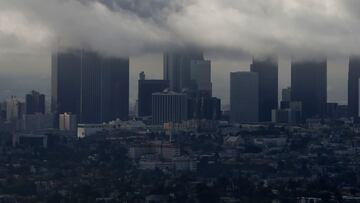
(169, 106)
(244, 97)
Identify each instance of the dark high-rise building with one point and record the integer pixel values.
(200, 74)
(244, 97)
(65, 82)
(177, 69)
(115, 88)
(267, 70)
(353, 87)
(93, 87)
(104, 89)
(146, 89)
(308, 85)
(35, 103)
(90, 88)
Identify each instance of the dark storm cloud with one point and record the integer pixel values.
(130, 27)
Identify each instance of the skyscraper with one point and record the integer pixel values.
(353, 86)
(244, 97)
(93, 87)
(267, 70)
(308, 85)
(65, 82)
(177, 69)
(35, 103)
(115, 88)
(90, 88)
(146, 89)
(200, 75)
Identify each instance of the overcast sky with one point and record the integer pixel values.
(229, 31)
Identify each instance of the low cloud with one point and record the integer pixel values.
(133, 27)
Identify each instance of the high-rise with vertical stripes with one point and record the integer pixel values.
(93, 87)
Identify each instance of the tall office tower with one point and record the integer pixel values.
(177, 69)
(115, 88)
(35, 103)
(15, 109)
(244, 97)
(200, 75)
(65, 82)
(267, 70)
(104, 89)
(353, 87)
(146, 89)
(88, 85)
(169, 107)
(308, 85)
(90, 88)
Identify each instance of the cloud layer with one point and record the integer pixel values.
(132, 27)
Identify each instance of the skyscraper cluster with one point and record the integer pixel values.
(189, 92)
(254, 94)
(90, 88)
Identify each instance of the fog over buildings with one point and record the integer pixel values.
(229, 32)
(179, 101)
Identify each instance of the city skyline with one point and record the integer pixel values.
(179, 101)
(32, 30)
(21, 81)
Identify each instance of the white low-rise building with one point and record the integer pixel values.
(85, 130)
(67, 122)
